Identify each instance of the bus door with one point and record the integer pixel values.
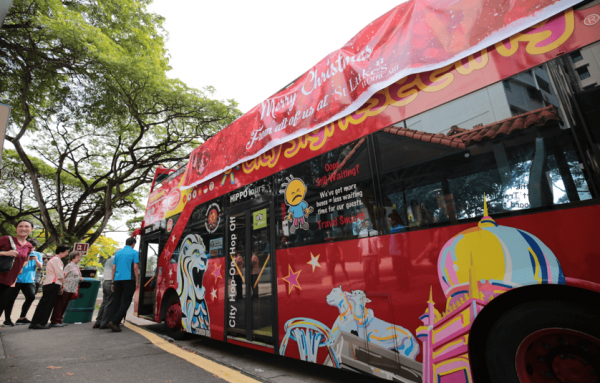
(250, 286)
(149, 247)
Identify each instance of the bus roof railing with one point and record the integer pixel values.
(179, 168)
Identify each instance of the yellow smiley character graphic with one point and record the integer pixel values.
(295, 191)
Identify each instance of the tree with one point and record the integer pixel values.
(99, 252)
(17, 196)
(88, 84)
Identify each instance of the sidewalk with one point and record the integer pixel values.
(79, 353)
(93, 355)
(82, 354)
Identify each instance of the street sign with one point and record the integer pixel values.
(82, 248)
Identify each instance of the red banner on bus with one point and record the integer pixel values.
(415, 37)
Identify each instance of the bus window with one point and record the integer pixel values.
(425, 206)
(412, 180)
(327, 198)
(523, 167)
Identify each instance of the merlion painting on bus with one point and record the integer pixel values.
(191, 266)
(294, 191)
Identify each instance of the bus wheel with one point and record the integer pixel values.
(173, 319)
(545, 341)
(560, 355)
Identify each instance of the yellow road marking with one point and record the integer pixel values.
(223, 372)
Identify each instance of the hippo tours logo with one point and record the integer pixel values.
(213, 217)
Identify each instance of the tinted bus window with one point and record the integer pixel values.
(327, 198)
(528, 161)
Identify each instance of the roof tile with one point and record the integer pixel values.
(461, 138)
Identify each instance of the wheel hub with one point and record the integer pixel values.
(173, 319)
(558, 356)
(571, 368)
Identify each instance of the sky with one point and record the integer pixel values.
(249, 50)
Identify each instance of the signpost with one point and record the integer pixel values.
(82, 248)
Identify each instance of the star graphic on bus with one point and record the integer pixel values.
(214, 294)
(314, 261)
(217, 273)
(292, 279)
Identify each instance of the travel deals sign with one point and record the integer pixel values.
(416, 36)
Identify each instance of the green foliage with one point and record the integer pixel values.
(88, 85)
(99, 252)
(134, 223)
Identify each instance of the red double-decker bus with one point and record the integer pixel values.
(443, 232)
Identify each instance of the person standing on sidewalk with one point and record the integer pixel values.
(104, 314)
(26, 284)
(53, 285)
(18, 248)
(71, 285)
(126, 277)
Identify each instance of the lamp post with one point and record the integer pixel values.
(4, 109)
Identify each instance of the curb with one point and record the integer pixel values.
(195, 352)
(2, 355)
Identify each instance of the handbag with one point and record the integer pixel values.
(7, 263)
(76, 295)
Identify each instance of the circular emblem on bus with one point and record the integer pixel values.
(169, 225)
(211, 186)
(173, 199)
(194, 194)
(591, 19)
(213, 218)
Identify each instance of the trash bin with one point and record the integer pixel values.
(88, 272)
(82, 309)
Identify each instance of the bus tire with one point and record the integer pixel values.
(545, 341)
(173, 318)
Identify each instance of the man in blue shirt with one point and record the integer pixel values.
(126, 277)
(26, 284)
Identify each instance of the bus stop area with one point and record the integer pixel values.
(142, 353)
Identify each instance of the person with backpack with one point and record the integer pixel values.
(126, 278)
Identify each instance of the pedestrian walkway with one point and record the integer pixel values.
(143, 353)
(79, 353)
(84, 354)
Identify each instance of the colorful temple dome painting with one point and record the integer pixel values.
(497, 258)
